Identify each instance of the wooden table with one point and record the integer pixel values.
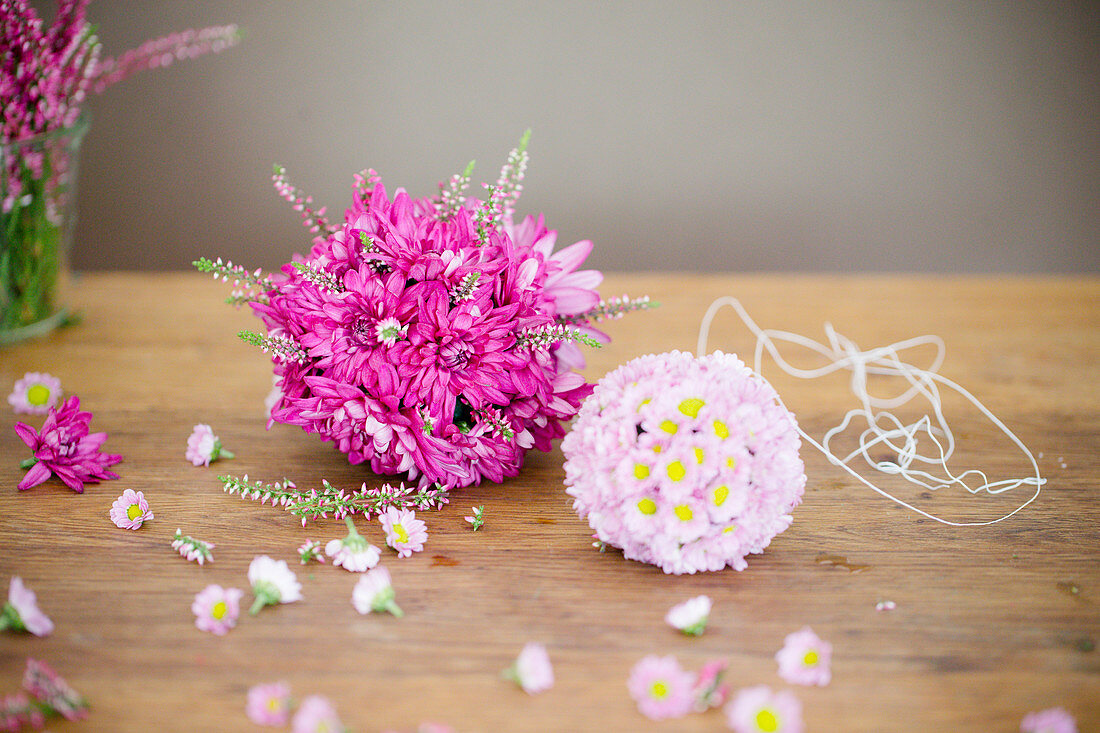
(987, 626)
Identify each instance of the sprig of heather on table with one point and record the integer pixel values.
(435, 339)
(328, 500)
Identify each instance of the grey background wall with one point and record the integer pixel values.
(924, 136)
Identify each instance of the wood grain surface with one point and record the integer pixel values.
(985, 629)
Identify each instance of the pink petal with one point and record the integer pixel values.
(574, 300)
(27, 434)
(586, 279)
(572, 256)
(36, 475)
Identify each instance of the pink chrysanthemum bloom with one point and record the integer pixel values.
(272, 582)
(374, 592)
(759, 710)
(50, 689)
(64, 448)
(35, 393)
(216, 609)
(429, 338)
(532, 669)
(404, 532)
(805, 659)
(21, 612)
(1051, 720)
(316, 715)
(130, 510)
(690, 616)
(661, 688)
(686, 463)
(203, 447)
(269, 704)
(353, 553)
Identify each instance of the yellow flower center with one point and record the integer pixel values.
(690, 406)
(273, 704)
(218, 611)
(721, 493)
(133, 512)
(647, 506)
(657, 449)
(729, 529)
(658, 690)
(641, 471)
(38, 394)
(642, 404)
(676, 471)
(399, 530)
(699, 455)
(731, 463)
(810, 660)
(669, 427)
(721, 430)
(683, 512)
(766, 721)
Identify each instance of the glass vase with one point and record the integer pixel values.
(38, 194)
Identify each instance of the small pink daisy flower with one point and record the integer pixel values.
(35, 393)
(1051, 720)
(690, 616)
(316, 715)
(759, 710)
(216, 609)
(21, 612)
(269, 704)
(374, 592)
(532, 669)
(661, 688)
(404, 532)
(353, 553)
(885, 606)
(203, 447)
(804, 659)
(130, 510)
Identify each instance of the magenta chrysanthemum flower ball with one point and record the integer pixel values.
(686, 463)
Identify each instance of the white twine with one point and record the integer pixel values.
(883, 428)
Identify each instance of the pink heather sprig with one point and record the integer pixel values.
(543, 337)
(510, 183)
(16, 711)
(497, 423)
(192, 549)
(54, 695)
(248, 287)
(162, 52)
(314, 220)
(282, 347)
(364, 182)
(317, 275)
(465, 290)
(608, 310)
(453, 195)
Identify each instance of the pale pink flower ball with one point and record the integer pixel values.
(24, 604)
(316, 715)
(686, 463)
(1051, 720)
(272, 582)
(374, 592)
(35, 393)
(805, 659)
(216, 609)
(203, 446)
(269, 704)
(532, 670)
(690, 616)
(759, 710)
(661, 688)
(130, 510)
(404, 532)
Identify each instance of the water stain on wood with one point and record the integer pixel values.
(444, 561)
(841, 562)
(1070, 589)
(546, 521)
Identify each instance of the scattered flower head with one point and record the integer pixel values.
(316, 715)
(309, 551)
(64, 448)
(353, 553)
(272, 582)
(269, 704)
(709, 691)
(1051, 720)
(16, 711)
(661, 688)
(690, 616)
(427, 337)
(21, 612)
(759, 710)
(203, 447)
(216, 609)
(686, 463)
(532, 669)
(885, 606)
(35, 393)
(192, 549)
(404, 532)
(130, 510)
(374, 593)
(50, 690)
(476, 518)
(805, 659)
